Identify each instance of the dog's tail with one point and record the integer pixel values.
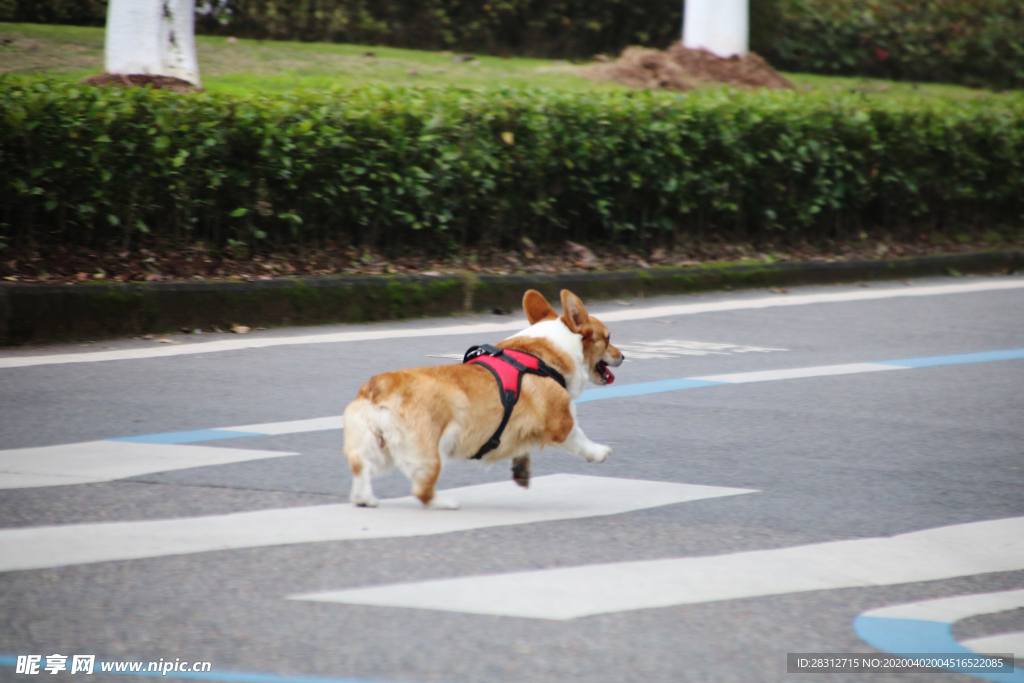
(366, 425)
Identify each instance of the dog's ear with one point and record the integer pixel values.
(537, 308)
(575, 312)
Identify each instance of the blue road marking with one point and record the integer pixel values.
(907, 635)
(661, 386)
(987, 357)
(223, 676)
(902, 636)
(623, 391)
(188, 437)
(644, 388)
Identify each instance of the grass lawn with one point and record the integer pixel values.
(72, 53)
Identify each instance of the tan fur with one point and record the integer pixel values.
(537, 308)
(596, 339)
(414, 418)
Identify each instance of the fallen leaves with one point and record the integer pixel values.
(165, 263)
(582, 253)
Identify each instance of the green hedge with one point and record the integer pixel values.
(974, 42)
(75, 12)
(447, 167)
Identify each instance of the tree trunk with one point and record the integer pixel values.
(155, 37)
(719, 26)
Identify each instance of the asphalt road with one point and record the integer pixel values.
(824, 458)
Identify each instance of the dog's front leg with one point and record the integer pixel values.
(579, 444)
(521, 470)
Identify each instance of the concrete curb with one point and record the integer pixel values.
(39, 312)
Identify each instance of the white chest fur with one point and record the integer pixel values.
(571, 343)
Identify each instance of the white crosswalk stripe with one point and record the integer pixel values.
(95, 461)
(569, 593)
(549, 498)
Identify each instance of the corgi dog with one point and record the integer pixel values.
(416, 419)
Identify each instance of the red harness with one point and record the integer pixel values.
(508, 367)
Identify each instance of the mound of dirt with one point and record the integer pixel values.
(679, 68)
(140, 80)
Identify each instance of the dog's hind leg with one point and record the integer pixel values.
(424, 471)
(362, 488)
(521, 470)
(365, 449)
(362, 480)
(424, 478)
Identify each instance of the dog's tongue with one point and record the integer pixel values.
(606, 374)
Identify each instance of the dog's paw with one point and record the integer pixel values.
(598, 453)
(439, 503)
(365, 501)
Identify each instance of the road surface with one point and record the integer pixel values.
(811, 471)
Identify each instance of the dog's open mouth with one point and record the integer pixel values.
(602, 369)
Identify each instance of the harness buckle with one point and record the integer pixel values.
(482, 350)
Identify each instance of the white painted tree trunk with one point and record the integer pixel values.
(719, 26)
(154, 37)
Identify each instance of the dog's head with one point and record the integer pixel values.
(598, 353)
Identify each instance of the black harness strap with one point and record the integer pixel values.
(523, 363)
